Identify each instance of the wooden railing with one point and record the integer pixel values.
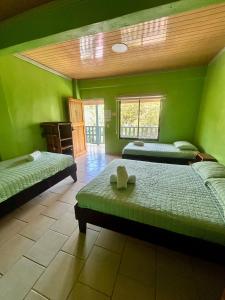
(95, 134)
(145, 132)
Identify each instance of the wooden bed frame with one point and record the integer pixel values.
(36, 189)
(162, 237)
(168, 160)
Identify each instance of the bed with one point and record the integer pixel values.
(169, 205)
(159, 152)
(21, 180)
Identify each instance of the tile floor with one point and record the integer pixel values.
(43, 255)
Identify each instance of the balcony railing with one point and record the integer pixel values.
(144, 132)
(95, 134)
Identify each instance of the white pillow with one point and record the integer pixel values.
(184, 145)
(139, 143)
(209, 169)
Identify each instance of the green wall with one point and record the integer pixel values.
(210, 130)
(28, 96)
(183, 90)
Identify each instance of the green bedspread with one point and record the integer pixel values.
(172, 197)
(158, 150)
(18, 174)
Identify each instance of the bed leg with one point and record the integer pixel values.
(74, 175)
(82, 226)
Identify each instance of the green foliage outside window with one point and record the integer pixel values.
(140, 118)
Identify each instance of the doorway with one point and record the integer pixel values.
(94, 125)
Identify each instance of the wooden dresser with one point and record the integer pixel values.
(58, 136)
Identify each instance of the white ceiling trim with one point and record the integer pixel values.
(218, 54)
(39, 65)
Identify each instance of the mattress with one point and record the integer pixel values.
(18, 174)
(158, 150)
(171, 197)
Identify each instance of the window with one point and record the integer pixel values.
(139, 117)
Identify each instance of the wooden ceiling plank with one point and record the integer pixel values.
(193, 35)
(158, 19)
(182, 40)
(175, 49)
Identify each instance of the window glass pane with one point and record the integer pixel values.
(149, 119)
(129, 119)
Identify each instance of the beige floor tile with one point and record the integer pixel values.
(111, 240)
(94, 227)
(19, 280)
(61, 188)
(46, 248)
(203, 270)
(12, 250)
(78, 186)
(58, 279)
(141, 242)
(34, 201)
(127, 288)
(83, 292)
(80, 244)
(47, 198)
(83, 178)
(173, 262)
(28, 213)
(69, 197)
(100, 270)
(69, 180)
(66, 224)
(71, 209)
(35, 230)
(9, 227)
(175, 287)
(139, 263)
(57, 209)
(34, 296)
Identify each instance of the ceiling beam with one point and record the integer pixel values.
(62, 20)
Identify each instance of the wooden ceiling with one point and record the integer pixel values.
(10, 8)
(188, 39)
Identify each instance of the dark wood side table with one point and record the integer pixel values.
(204, 157)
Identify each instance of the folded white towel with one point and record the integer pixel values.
(34, 155)
(122, 177)
(113, 178)
(139, 143)
(132, 179)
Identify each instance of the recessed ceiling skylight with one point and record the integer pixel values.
(119, 48)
